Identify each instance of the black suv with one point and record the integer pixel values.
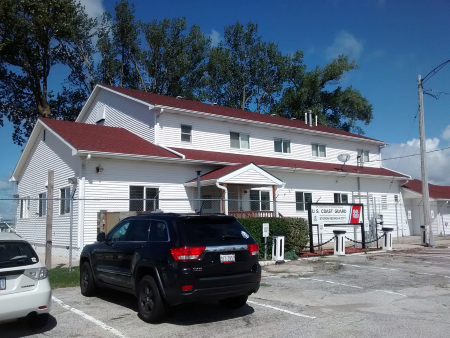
(168, 259)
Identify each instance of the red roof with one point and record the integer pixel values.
(94, 137)
(220, 172)
(282, 162)
(436, 191)
(169, 101)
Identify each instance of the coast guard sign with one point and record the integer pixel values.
(337, 214)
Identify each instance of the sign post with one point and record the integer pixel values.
(320, 229)
(265, 235)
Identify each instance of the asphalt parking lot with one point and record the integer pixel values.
(403, 294)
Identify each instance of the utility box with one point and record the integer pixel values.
(278, 248)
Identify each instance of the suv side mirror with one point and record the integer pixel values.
(101, 237)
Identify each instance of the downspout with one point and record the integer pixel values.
(157, 125)
(199, 194)
(275, 199)
(226, 196)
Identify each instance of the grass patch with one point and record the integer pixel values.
(264, 284)
(62, 278)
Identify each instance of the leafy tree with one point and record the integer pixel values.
(34, 37)
(108, 67)
(313, 90)
(175, 61)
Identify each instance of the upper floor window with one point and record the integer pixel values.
(319, 150)
(363, 156)
(42, 204)
(301, 199)
(340, 198)
(239, 140)
(282, 146)
(186, 133)
(64, 206)
(144, 198)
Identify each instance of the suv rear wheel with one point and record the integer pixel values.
(234, 302)
(87, 282)
(150, 304)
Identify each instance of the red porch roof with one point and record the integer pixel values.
(436, 191)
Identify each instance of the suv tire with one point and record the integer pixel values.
(87, 282)
(150, 304)
(36, 321)
(234, 302)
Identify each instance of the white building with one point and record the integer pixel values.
(130, 144)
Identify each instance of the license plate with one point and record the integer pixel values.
(2, 283)
(227, 258)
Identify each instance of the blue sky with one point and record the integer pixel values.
(392, 41)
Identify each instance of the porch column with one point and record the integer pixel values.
(274, 191)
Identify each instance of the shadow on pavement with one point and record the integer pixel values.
(184, 314)
(21, 329)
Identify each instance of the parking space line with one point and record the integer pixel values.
(91, 319)
(392, 293)
(282, 310)
(331, 282)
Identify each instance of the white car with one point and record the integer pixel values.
(24, 287)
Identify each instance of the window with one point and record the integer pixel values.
(259, 200)
(282, 146)
(384, 202)
(363, 156)
(186, 133)
(158, 232)
(25, 207)
(64, 206)
(240, 141)
(42, 204)
(120, 233)
(340, 198)
(140, 230)
(319, 150)
(301, 198)
(144, 198)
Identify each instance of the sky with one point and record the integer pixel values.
(392, 42)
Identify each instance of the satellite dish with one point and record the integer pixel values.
(343, 157)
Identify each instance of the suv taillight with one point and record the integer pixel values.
(254, 249)
(187, 253)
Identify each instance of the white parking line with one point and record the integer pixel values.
(92, 319)
(278, 309)
(392, 293)
(331, 282)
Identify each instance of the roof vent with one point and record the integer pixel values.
(214, 104)
(180, 97)
(273, 114)
(293, 118)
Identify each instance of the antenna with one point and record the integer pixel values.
(343, 158)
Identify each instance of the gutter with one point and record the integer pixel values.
(226, 196)
(172, 151)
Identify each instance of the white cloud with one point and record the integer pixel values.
(438, 163)
(5, 185)
(345, 43)
(215, 37)
(93, 8)
(446, 133)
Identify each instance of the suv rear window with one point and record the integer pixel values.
(14, 254)
(207, 231)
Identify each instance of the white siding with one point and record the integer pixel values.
(122, 112)
(248, 177)
(110, 189)
(49, 155)
(214, 135)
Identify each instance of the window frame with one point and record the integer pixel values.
(25, 205)
(66, 200)
(282, 145)
(361, 152)
(304, 200)
(182, 133)
(240, 140)
(260, 201)
(340, 194)
(42, 209)
(144, 198)
(318, 150)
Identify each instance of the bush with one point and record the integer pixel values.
(295, 230)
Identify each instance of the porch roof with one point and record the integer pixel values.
(248, 173)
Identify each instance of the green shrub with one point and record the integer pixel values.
(295, 230)
(290, 255)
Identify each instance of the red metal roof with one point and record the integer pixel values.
(169, 101)
(282, 162)
(436, 191)
(220, 172)
(94, 137)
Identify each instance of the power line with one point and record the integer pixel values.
(395, 158)
(434, 71)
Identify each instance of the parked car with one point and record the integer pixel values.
(24, 287)
(167, 259)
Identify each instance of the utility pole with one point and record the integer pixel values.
(429, 240)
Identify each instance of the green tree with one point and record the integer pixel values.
(175, 61)
(319, 90)
(34, 37)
